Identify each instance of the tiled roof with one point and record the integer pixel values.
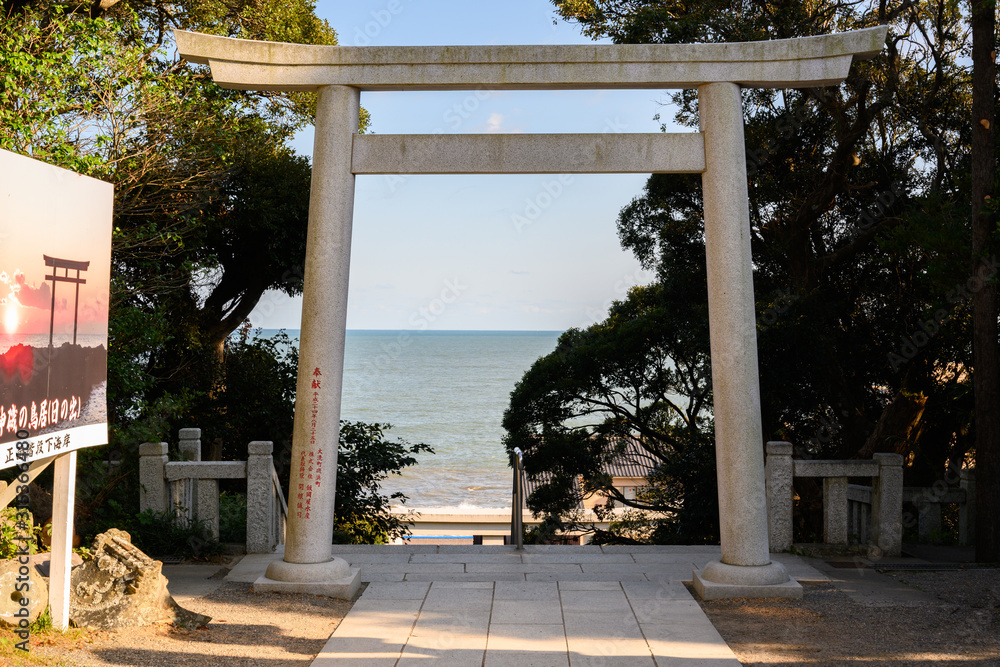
(530, 486)
(633, 461)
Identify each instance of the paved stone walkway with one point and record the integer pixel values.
(546, 605)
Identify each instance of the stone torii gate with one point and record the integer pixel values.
(339, 74)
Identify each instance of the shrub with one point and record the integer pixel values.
(232, 517)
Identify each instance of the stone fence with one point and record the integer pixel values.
(870, 515)
(928, 503)
(885, 499)
(191, 488)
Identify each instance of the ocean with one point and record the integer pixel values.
(95, 405)
(447, 389)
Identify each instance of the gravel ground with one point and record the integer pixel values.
(247, 630)
(960, 624)
(827, 628)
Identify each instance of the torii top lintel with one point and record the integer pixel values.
(803, 62)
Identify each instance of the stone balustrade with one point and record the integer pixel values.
(191, 488)
(929, 501)
(885, 498)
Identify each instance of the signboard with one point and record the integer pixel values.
(55, 267)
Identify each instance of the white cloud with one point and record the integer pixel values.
(494, 123)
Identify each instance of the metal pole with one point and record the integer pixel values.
(517, 516)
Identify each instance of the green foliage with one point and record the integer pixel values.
(210, 206)
(210, 209)
(15, 534)
(859, 228)
(43, 623)
(366, 458)
(859, 222)
(232, 517)
(253, 397)
(157, 533)
(636, 384)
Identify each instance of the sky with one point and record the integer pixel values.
(503, 252)
(75, 225)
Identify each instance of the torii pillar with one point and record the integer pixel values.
(718, 71)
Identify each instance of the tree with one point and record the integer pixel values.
(364, 459)
(985, 347)
(642, 376)
(258, 403)
(210, 207)
(853, 239)
(858, 225)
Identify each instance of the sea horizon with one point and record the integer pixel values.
(419, 332)
(447, 388)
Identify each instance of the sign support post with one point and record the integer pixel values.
(63, 503)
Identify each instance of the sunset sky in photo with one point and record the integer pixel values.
(49, 211)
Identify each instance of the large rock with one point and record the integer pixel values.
(33, 596)
(12, 576)
(121, 587)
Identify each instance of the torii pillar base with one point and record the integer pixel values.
(745, 581)
(334, 578)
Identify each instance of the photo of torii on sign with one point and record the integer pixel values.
(55, 265)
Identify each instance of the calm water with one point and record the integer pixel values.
(95, 407)
(8, 341)
(447, 389)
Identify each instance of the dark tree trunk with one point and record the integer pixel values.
(895, 426)
(986, 365)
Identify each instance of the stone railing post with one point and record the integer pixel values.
(778, 472)
(261, 531)
(967, 510)
(187, 491)
(887, 505)
(928, 515)
(835, 510)
(189, 443)
(152, 480)
(206, 504)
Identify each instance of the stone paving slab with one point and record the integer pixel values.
(583, 576)
(381, 568)
(536, 563)
(596, 557)
(605, 617)
(465, 576)
(524, 568)
(547, 605)
(383, 576)
(452, 557)
(507, 590)
(361, 558)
